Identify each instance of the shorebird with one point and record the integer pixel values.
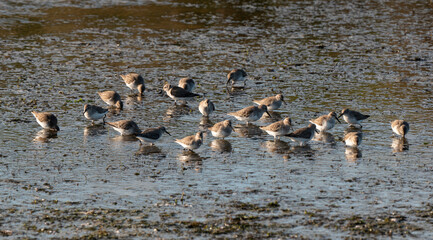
(111, 98)
(250, 114)
(191, 142)
(46, 120)
(353, 139)
(273, 103)
(279, 128)
(187, 84)
(206, 107)
(303, 135)
(325, 122)
(222, 129)
(177, 93)
(236, 75)
(151, 135)
(353, 117)
(400, 127)
(125, 127)
(134, 81)
(94, 113)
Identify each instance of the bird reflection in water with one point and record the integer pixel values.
(94, 130)
(45, 135)
(235, 90)
(399, 144)
(175, 111)
(190, 159)
(132, 99)
(275, 116)
(324, 137)
(277, 146)
(248, 130)
(352, 129)
(148, 150)
(221, 145)
(305, 151)
(205, 122)
(352, 154)
(124, 138)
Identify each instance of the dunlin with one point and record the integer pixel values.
(125, 127)
(353, 139)
(187, 84)
(151, 134)
(279, 128)
(191, 142)
(111, 98)
(177, 93)
(206, 107)
(400, 127)
(134, 81)
(273, 103)
(325, 122)
(94, 113)
(250, 114)
(303, 135)
(353, 117)
(236, 75)
(222, 129)
(46, 120)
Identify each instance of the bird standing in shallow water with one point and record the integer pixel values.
(279, 128)
(206, 107)
(222, 129)
(353, 139)
(236, 75)
(125, 127)
(353, 117)
(134, 81)
(46, 120)
(187, 83)
(273, 103)
(400, 127)
(250, 114)
(303, 135)
(94, 113)
(325, 122)
(177, 93)
(191, 142)
(151, 134)
(111, 98)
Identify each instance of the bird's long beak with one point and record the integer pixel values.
(269, 114)
(317, 131)
(337, 119)
(167, 132)
(284, 101)
(339, 116)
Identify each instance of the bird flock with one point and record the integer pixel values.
(223, 129)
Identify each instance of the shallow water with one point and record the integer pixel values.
(374, 57)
